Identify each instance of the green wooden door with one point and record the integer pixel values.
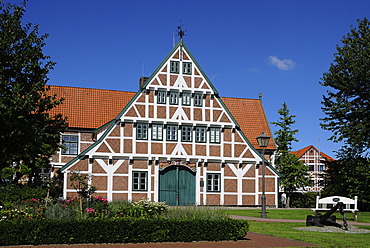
(177, 186)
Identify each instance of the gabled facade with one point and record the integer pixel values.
(315, 161)
(174, 141)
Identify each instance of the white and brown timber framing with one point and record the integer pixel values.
(117, 151)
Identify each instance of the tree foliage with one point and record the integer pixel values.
(349, 176)
(347, 102)
(294, 172)
(285, 135)
(29, 135)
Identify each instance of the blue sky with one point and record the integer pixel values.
(279, 48)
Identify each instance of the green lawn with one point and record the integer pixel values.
(285, 230)
(293, 214)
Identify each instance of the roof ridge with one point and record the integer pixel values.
(76, 87)
(232, 97)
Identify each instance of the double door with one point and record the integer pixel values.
(177, 186)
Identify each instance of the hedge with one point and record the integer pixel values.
(120, 230)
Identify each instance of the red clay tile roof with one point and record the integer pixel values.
(301, 152)
(251, 117)
(91, 108)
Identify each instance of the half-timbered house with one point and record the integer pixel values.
(175, 140)
(315, 160)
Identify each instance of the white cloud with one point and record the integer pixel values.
(282, 64)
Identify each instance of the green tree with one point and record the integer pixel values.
(349, 176)
(29, 135)
(347, 102)
(294, 172)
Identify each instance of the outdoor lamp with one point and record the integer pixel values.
(263, 141)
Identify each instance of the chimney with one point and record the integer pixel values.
(142, 81)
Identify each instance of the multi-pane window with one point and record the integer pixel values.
(311, 167)
(198, 100)
(161, 97)
(186, 67)
(215, 134)
(157, 131)
(70, 144)
(171, 132)
(200, 134)
(174, 66)
(186, 99)
(142, 131)
(321, 167)
(174, 98)
(186, 132)
(139, 180)
(213, 182)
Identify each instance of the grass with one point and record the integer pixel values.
(293, 214)
(285, 230)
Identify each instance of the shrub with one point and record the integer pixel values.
(196, 213)
(60, 211)
(119, 230)
(142, 208)
(303, 200)
(15, 194)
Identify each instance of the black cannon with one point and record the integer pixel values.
(328, 219)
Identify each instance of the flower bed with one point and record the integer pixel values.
(95, 220)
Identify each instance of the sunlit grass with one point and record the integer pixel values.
(285, 230)
(293, 214)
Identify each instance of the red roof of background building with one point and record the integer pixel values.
(301, 152)
(91, 108)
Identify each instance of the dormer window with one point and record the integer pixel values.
(186, 68)
(174, 66)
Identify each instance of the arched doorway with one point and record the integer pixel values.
(177, 186)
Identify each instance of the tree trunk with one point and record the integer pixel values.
(289, 195)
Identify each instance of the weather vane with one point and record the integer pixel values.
(180, 31)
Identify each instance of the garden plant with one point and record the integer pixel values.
(93, 219)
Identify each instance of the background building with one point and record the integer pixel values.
(315, 160)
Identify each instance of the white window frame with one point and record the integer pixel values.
(186, 133)
(215, 135)
(200, 134)
(186, 99)
(142, 131)
(174, 66)
(171, 131)
(161, 97)
(71, 146)
(139, 180)
(186, 68)
(157, 132)
(213, 182)
(198, 99)
(174, 98)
